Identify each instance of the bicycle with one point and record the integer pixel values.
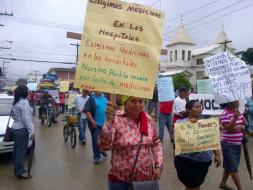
(69, 128)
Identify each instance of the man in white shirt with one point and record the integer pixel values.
(179, 105)
(78, 104)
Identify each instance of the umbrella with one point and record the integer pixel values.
(32, 86)
(46, 85)
(30, 161)
(246, 153)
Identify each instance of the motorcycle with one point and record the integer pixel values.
(47, 112)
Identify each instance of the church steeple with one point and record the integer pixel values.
(181, 36)
(222, 37)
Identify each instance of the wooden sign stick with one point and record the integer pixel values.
(113, 98)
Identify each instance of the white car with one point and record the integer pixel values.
(5, 109)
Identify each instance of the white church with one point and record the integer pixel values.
(183, 58)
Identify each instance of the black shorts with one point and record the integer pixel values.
(190, 172)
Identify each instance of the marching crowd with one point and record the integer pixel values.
(129, 133)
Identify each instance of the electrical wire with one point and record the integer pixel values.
(206, 16)
(16, 59)
(155, 3)
(192, 11)
(214, 19)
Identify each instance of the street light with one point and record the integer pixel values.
(7, 41)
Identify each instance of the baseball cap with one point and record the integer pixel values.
(46, 90)
(184, 89)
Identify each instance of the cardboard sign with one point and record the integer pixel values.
(209, 106)
(197, 137)
(64, 86)
(70, 100)
(204, 87)
(120, 48)
(229, 76)
(165, 89)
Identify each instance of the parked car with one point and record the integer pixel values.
(5, 109)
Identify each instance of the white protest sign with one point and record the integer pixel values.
(57, 98)
(209, 106)
(53, 92)
(204, 87)
(229, 76)
(165, 89)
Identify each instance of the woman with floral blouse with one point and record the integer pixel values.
(121, 133)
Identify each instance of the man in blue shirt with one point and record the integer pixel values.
(95, 112)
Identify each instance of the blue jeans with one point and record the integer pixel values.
(94, 135)
(33, 105)
(82, 125)
(20, 137)
(117, 185)
(205, 117)
(165, 119)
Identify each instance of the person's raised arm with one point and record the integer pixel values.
(230, 127)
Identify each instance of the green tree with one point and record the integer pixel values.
(247, 56)
(21, 81)
(180, 80)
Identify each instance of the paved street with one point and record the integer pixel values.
(57, 166)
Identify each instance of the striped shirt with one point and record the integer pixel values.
(226, 118)
(22, 116)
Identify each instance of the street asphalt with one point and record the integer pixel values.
(57, 166)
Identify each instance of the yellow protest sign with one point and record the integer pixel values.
(197, 137)
(64, 86)
(70, 100)
(120, 48)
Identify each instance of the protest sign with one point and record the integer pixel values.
(209, 106)
(197, 137)
(57, 99)
(165, 89)
(120, 48)
(204, 87)
(32, 86)
(64, 86)
(70, 100)
(229, 76)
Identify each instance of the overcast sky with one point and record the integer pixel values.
(32, 41)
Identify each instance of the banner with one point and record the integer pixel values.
(209, 106)
(120, 48)
(50, 76)
(197, 137)
(229, 76)
(165, 89)
(64, 86)
(70, 100)
(204, 87)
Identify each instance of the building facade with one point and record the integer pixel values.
(182, 56)
(65, 74)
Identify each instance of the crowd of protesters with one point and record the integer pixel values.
(122, 126)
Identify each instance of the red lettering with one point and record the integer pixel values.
(115, 24)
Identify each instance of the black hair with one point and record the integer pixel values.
(189, 105)
(20, 92)
(10, 92)
(223, 106)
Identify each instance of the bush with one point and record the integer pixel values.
(180, 80)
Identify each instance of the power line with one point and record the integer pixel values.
(213, 19)
(154, 3)
(191, 11)
(206, 16)
(14, 59)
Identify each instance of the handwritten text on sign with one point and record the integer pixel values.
(120, 48)
(197, 137)
(165, 89)
(204, 87)
(64, 86)
(229, 76)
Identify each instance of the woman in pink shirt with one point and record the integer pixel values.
(232, 122)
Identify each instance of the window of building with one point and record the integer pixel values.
(183, 54)
(175, 58)
(200, 62)
(171, 56)
(189, 55)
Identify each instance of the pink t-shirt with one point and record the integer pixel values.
(226, 118)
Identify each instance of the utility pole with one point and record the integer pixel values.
(77, 47)
(36, 75)
(225, 44)
(4, 68)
